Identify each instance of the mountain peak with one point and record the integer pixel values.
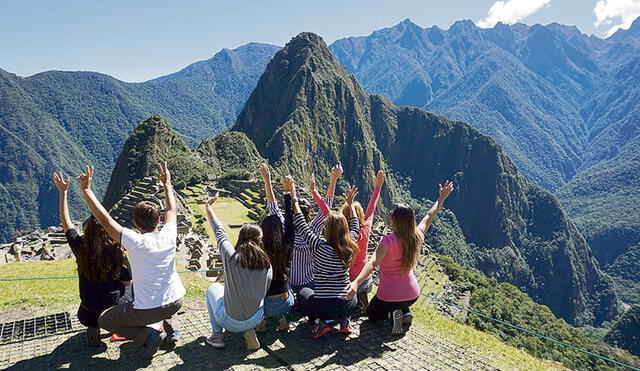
(463, 25)
(633, 32)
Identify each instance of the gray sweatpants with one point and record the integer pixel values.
(125, 320)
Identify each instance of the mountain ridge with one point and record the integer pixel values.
(321, 110)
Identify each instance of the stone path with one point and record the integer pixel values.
(370, 347)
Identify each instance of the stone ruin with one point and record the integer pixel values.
(48, 244)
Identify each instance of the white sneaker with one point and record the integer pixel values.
(396, 317)
(251, 340)
(216, 340)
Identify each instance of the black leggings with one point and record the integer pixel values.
(325, 308)
(379, 310)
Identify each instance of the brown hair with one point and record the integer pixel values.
(273, 242)
(146, 215)
(250, 250)
(336, 233)
(346, 211)
(404, 227)
(99, 258)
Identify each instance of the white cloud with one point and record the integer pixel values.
(511, 11)
(619, 13)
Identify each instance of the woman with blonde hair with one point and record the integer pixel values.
(396, 256)
(332, 257)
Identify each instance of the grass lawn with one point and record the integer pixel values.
(229, 210)
(431, 321)
(51, 296)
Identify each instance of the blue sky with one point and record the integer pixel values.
(136, 40)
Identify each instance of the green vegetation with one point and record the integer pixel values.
(229, 210)
(505, 302)
(60, 121)
(503, 225)
(625, 333)
(563, 105)
(439, 326)
(49, 296)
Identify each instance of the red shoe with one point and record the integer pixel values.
(321, 329)
(116, 337)
(345, 329)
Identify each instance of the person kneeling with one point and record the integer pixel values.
(333, 256)
(238, 305)
(396, 255)
(158, 289)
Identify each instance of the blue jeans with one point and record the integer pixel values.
(218, 314)
(278, 306)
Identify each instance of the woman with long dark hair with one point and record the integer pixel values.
(277, 240)
(238, 305)
(103, 269)
(332, 257)
(396, 256)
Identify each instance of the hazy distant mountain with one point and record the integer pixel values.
(564, 106)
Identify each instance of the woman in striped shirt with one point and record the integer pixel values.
(301, 272)
(396, 256)
(332, 256)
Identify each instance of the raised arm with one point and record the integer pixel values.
(289, 228)
(302, 227)
(324, 208)
(266, 178)
(354, 224)
(336, 172)
(221, 235)
(376, 259)
(444, 192)
(113, 229)
(171, 213)
(375, 196)
(63, 185)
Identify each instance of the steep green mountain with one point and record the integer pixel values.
(150, 143)
(505, 302)
(626, 331)
(61, 120)
(563, 105)
(307, 113)
(228, 152)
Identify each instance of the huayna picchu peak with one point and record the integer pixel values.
(307, 112)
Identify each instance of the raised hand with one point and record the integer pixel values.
(213, 199)
(86, 178)
(264, 171)
(60, 182)
(165, 175)
(336, 172)
(378, 180)
(290, 185)
(312, 183)
(350, 196)
(445, 190)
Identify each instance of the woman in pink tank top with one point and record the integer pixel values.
(396, 256)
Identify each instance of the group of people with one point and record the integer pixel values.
(292, 260)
